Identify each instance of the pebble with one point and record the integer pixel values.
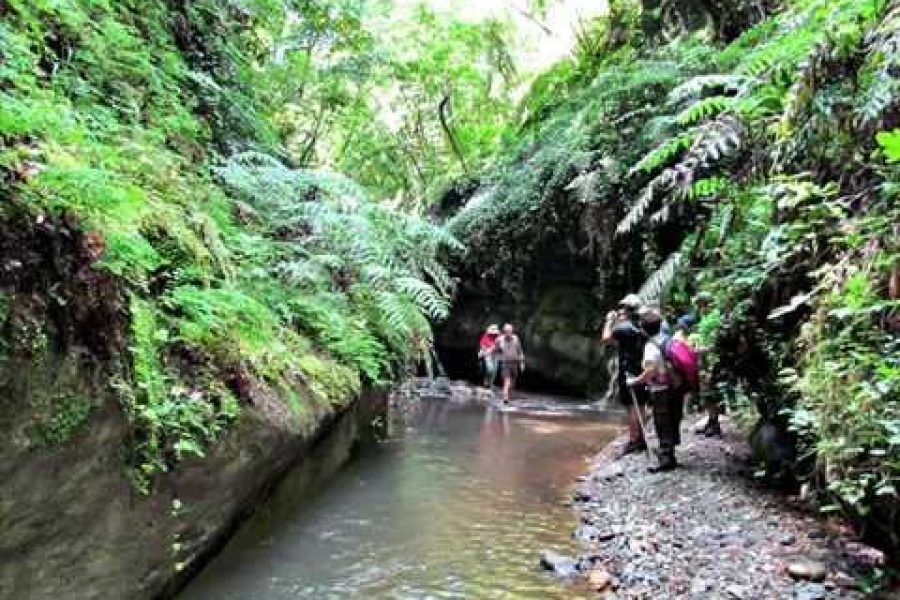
(807, 569)
(788, 540)
(810, 591)
(562, 566)
(600, 579)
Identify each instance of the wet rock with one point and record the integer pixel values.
(561, 566)
(580, 496)
(609, 472)
(787, 540)
(807, 569)
(810, 591)
(591, 533)
(599, 579)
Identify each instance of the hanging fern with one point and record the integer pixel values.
(664, 153)
(713, 141)
(881, 72)
(701, 110)
(654, 288)
(334, 239)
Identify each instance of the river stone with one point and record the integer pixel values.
(810, 591)
(600, 579)
(807, 569)
(561, 566)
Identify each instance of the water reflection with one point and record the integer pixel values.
(455, 503)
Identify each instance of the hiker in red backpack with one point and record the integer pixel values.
(685, 361)
(661, 379)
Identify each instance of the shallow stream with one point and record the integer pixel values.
(455, 501)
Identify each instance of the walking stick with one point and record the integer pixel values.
(640, 416)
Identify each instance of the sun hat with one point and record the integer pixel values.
(650, 314)
(632, 301)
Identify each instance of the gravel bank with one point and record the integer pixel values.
(706, 531)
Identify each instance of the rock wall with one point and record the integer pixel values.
(74, 527)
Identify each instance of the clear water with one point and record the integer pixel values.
(456, 503)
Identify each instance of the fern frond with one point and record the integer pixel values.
(713, 141)
(701, 110)
(637, 211)
(664, 153)
(653, 290)
(586, 186)
(428, 299)
(706, 188)
(720, 84)
(881, 70)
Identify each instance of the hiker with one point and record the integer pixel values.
(487, 355)
(621, 329)
(657, 375)
(684, 357)
(702, 307)
(512, 359)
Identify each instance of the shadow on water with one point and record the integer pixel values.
(454, 502)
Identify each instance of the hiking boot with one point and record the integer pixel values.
(633, 447)
(666, 464)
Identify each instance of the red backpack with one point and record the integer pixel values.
(685, 362)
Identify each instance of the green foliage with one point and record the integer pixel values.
(763, 171)
(890, 143)
(802, 247)
(169, 421)
(58, 416)
(332, 240)
(117, 116)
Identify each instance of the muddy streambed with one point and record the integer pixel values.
(454, 501)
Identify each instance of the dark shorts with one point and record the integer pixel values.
(509, 369)
(628, 395)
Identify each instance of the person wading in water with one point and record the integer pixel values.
(512, 359)
(659, 378)
(621, 329)
(487, 354)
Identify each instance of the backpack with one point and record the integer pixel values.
(685, 362)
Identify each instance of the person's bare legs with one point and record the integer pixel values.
(507, 387)
(635, 434)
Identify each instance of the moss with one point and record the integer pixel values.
(58, 418)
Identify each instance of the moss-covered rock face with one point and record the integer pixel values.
(77, 527)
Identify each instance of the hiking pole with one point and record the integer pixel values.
(640, 416)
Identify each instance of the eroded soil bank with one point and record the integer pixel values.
(706, 531)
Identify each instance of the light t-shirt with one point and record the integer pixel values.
(653, 359)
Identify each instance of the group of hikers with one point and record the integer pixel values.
(658, 367)
(501, 352)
